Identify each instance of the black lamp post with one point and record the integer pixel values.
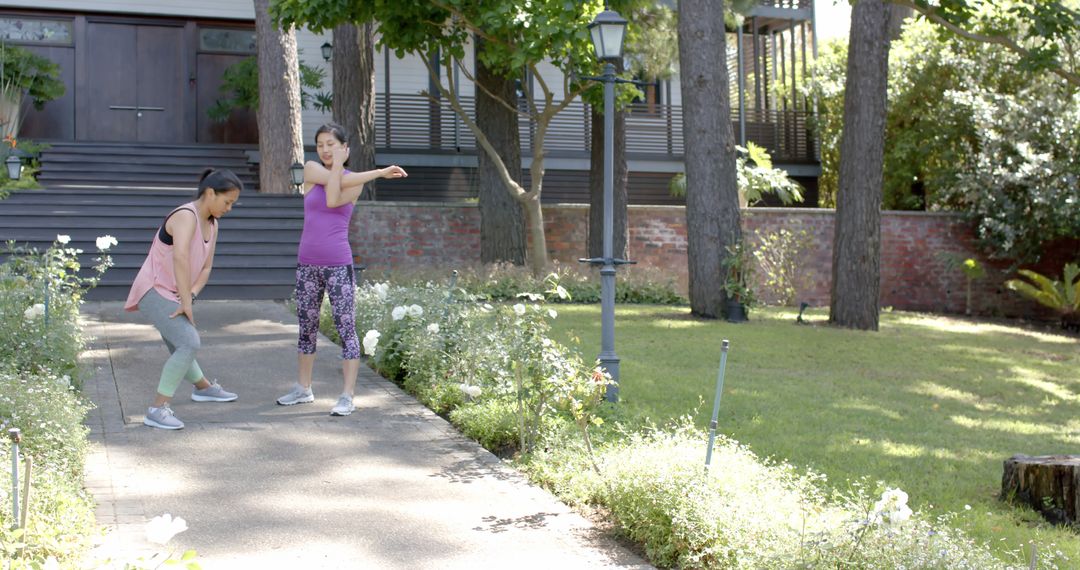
(296, 171)
(607, 31)
(14, 166)
(327, 51)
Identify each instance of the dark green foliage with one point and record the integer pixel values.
(36, 75)
(240, 89)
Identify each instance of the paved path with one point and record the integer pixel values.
(266, 486)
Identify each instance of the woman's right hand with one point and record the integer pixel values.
(184, 309)
(341, 155)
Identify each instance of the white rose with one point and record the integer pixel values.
(63, 239)
(433, 328)
(519, 309)
(34, 311)
(398, 313)
(470, 391)
(416, 311)
(105, 242)
(160, 530)
(371, 340)
(381, 290)
(552, 313)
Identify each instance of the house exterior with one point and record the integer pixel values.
(140, 71)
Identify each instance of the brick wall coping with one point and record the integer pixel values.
(673, 208)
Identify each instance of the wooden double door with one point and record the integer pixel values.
(137, 83)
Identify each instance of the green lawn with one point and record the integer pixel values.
(930, 404)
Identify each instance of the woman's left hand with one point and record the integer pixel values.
(394, 171)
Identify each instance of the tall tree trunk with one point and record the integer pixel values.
(534, 214)
(898, 16)
(502, 220)
(354, 93)
(620, 229)
(857, 240)
(712, 195)
(280, 128)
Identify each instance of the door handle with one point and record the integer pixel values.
(151, 108)
(123, 108)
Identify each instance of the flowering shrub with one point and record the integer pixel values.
(39, 345)
(495, 373)
(749, 513)
(458, 355)
(503, 282)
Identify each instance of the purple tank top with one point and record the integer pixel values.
(325, 239)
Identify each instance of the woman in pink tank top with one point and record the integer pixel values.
(324, 262)
(176, 269)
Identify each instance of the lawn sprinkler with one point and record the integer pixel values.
(716, 402)
(802, 307)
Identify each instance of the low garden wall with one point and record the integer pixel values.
(915, 272)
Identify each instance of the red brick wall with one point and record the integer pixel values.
(913, 271)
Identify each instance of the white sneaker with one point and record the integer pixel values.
(162, 418)
(298, 395)
(344, 406)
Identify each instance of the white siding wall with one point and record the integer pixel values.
(553, 77)
(227, 9)
(676, 90)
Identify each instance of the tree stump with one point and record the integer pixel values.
(1049, 483)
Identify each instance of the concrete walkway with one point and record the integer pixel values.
(266, 486)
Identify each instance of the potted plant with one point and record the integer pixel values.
(24, 74)
(738, 270)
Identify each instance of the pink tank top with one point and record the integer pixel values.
(157, 271)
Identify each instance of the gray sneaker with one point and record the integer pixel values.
(212, 393)
(298, 395)
(344, 406)
(162, 418)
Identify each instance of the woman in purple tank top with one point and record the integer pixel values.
(324, 262)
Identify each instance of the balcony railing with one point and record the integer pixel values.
(412, 122)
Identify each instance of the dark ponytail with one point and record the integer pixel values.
(220, 180)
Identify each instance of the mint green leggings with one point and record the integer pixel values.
(181, 338)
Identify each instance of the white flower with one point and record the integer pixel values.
(415, 311)
(967, 507)
(160, 530)
(381, 290)
(470, 391)
(63, 239)
(64, 381)
(433, 328)
(486, 307)
(398, 313)
(105, 242)
(892, 507)
(371, 340)
(34, 312)
(561, 292)
(51, 563)
(552, 313)
(519, 309)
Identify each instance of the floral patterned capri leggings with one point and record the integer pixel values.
(339, 282)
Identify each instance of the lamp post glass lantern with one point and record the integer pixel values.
(14, 167)
(327, 51)
(607, 31)
(296, 172)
